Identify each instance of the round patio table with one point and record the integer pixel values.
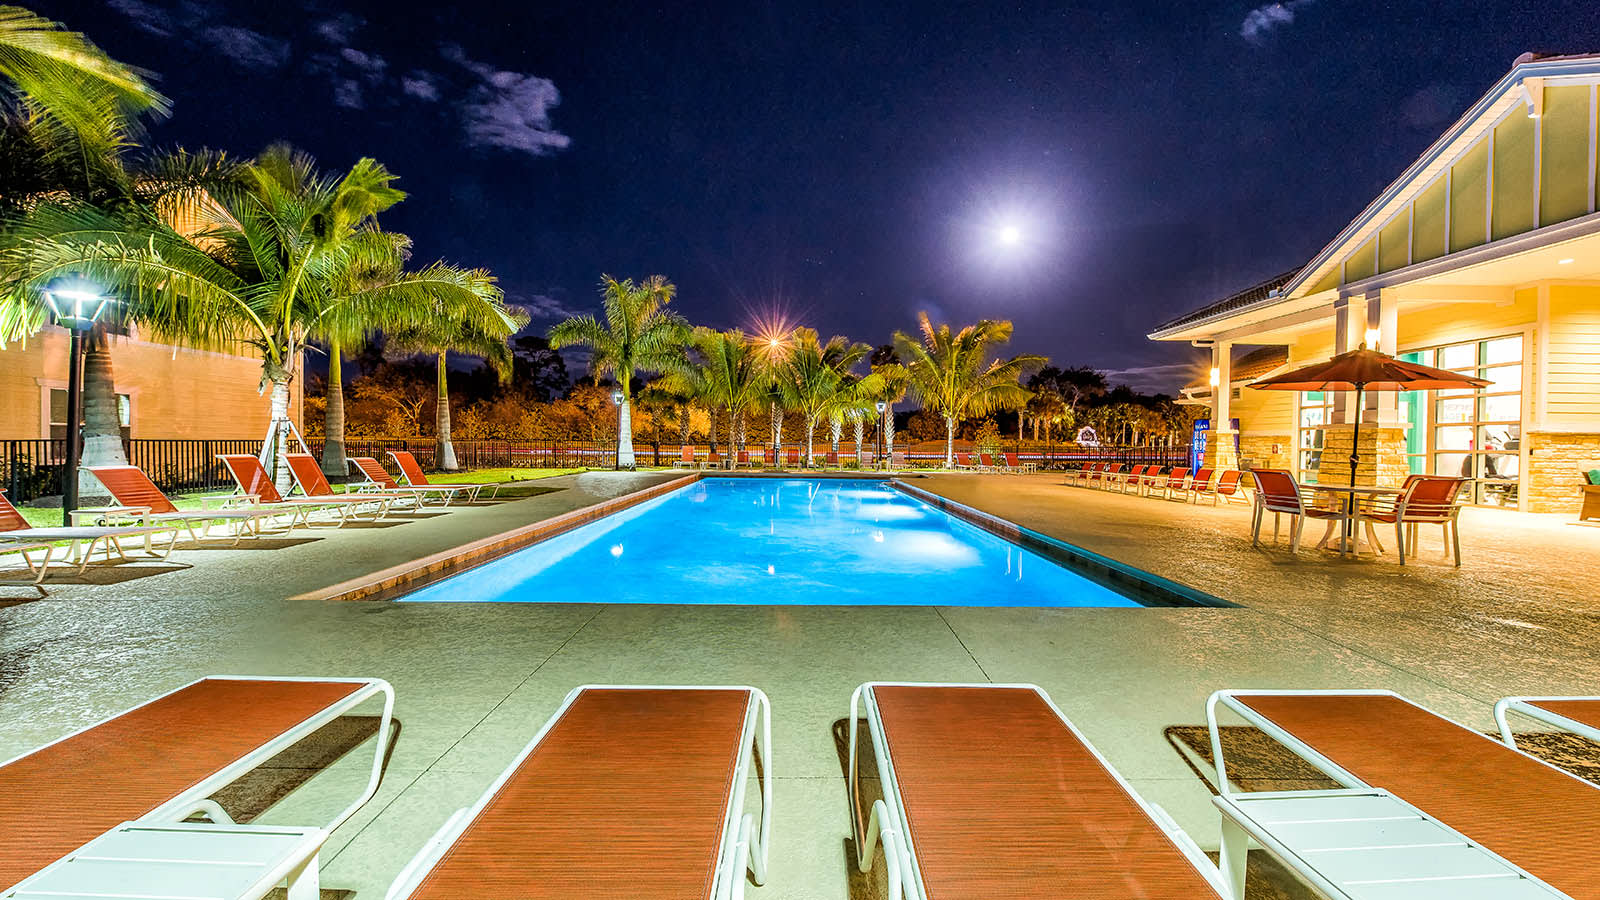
(1349, 541)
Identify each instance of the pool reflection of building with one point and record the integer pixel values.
(1483, 257)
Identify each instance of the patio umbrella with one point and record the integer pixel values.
(1366, 370)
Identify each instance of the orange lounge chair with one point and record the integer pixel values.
(742, 458)
(415, 477)
(1177, 483)
(791, 458)
(254, 483)
(1016, 465)
(307, 474)
(378, 479)
(1111, 474)
(155, 765)
(897, 460)
(831, 460)
(625, 792)
(1227, 488)
(1578, 715)
(1437, 809)
(1135, 478)
(988, 791)
(17, 536)
(138, 499)
(1083, 474)
(685, 458)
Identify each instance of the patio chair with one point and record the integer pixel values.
(624, 792)
(1278, 493)
(1199, 483)
(791, 458)
(415, 477)
(17, 536)
(255, 484)
(1177, 483)
(1083, 474)
(1227, 489)
(713, 460)
(742, 459)
(126, 786)
(1091, 475)
(1015, 464)
(140, 501)
(1133, 478)
(1589, 490)
(989, 791)
(376, 478)
(1426, 807)
(986, 463)
(686, 458)
(307, 475)
(1112, 475)
(831, 461)
(897, 460)
(769, 458)
(1424, 500)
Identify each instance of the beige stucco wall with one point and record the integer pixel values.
(174, 392)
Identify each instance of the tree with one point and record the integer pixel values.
(812, 374)
(726, 373)
(892, 383)
(63, 75)
(951, 373)
(639, 334)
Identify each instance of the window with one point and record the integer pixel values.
(1316, 411)
(58, 414)
(1477, 434)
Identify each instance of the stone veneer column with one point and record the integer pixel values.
(1382, 452)
(1556, 463)
(1219, 453)
(1259, 450)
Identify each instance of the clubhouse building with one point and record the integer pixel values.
(1482, 257)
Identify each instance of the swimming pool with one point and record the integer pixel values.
(777, 541)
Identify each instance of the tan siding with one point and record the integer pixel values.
(1468, 181)
(1361, 264)
(1394, 244)
(1564, 154)
(1513, 177)
(1428, 237)
(1572, 391)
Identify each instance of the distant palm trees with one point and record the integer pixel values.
(813, 377)
(952, 373)
(726, 372)
(639, 334)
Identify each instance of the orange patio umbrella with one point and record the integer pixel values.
(1366, 370)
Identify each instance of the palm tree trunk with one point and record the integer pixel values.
(811, 430)
(733, 439)
(683, 424)
(444, 452)
(837, 425)
(102, 423)
(334, 467)
(861, 427)
(625, 458)
(949, 442)
(888, 430)
(279, 436)
(777, 425)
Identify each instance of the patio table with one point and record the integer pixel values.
(1348, 496)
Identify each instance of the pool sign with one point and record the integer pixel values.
(1087, 437)
(1197, 445)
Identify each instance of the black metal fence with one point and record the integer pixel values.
(493, 454)
(32, 468)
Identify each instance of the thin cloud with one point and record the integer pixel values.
(421, 85)
(247, 47)
(371, 65)
(1262, 21)
(197, 25)
(1164, 379)
(546, 307)
(347, 93)
(340, 29)
(508, 110)
(146, 17)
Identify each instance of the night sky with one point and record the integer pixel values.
(846, 167)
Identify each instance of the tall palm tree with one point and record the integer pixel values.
(892, 379)
(474, 322)
(639, 334)
(63, 75)
(812, 375)
(952, 374)
(726, 374)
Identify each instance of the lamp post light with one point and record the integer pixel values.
(616, 399)
(881, 406)
(76, 308)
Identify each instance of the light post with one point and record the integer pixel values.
(75, 307)
(616, 399)
(881, 406)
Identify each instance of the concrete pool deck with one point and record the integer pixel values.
(475, 681)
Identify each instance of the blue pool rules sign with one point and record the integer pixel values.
(1197, 444)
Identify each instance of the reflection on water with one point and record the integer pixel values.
(772, 541)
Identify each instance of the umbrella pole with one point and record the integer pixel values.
(1355, 436)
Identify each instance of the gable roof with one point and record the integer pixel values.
(1251, 295)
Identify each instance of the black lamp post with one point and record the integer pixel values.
(881, 406)
(75, 307)
(616, 398)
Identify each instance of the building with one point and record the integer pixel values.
(164, 392)
(1482, 257)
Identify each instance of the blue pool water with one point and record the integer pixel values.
(772, 541)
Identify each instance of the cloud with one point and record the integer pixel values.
(347, 93)
(421, 85)
(371, 65)
(1267, 18)
(247, 47)
(544, 306)
(508, 110)
(339, 29)
(146, 17)
(1163, 379)
(199, 25)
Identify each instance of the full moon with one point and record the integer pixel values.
(1010, 234)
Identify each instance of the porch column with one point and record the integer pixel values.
(1383, 407)
(1220, 452)
(1349, 321)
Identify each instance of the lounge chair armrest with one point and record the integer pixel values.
(224, 502)
(106, 515)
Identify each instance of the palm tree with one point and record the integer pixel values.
(726, 374)
(639, 334)
(892, 379)
(952, 375)
(812, 375)
(63, 75)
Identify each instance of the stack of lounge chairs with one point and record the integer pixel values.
(979, 790)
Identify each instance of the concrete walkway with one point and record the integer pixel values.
(475, 681)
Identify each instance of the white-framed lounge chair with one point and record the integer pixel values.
(1578, 715)
(1426, 808)
(308, 477)
(626, 791)
(989, 791)
(141, 502)
(101, 812)
(17, 536)
(415, 477)
(256, 485)
(375, 478)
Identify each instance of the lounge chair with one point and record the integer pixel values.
(415, 477)
(1177, 483)
(308, 477)
(624, 792)
(1426, 808)
(140, 501)
(378, 479)
(741, 460)
(831, 460)
(1278, 493)
(17, 536)
(255, 484)
(1577, 715)
(1016, 465)
(1112, 475)
(897, 460)
(1133, 479)
(124, 787)
(1424, 500)
(988, 791)
(1082, 474)
(685, 458)
(1199, 483)
(791, 458)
